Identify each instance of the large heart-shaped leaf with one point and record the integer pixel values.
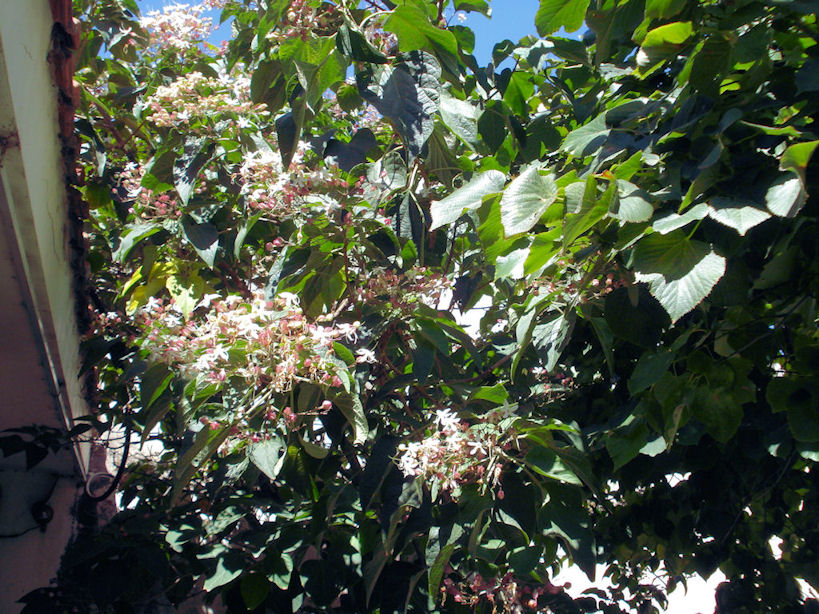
(736, 214)
(407, 94)
(679, 272)
(526, 199)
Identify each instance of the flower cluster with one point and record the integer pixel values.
(405, 291)
(301, 20)
(552, 386)
(270, 188)
(146, 203)
(194, 97)
(179, 26)
(458, 454)
(506, 593)
(268, 344)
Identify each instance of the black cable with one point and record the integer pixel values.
(120, 470)
(10, 535)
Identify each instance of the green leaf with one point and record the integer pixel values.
(153, 383)
(196, 153)
(587, 139)
(525, 199)
(675, 33)
(389, 173)
(550, 338)
(547, 463)
(633, 204)
(663, 9)
(661, 44)
(461, 117)
(673, 221)
(650, 368)
(288, 131)
(414, 32)
(718, 410)
(254, 588)
(203, 237)
(228, 568)
(436, 570)
(354, 45)
(268, 455)
(519, 89)
(185, 291)
(205, 444)
(372, 570)
(512, 265)
(624, 445)
(268, 85)
(736, 214)
(350, 405)
(807, 78)
(466, 198)
(555, 14)
(344, 353)
(378, 465)
(159, 171)
(496, 394)
(796, 157)
(407, 94)
(680, 272)
(478, 6)
(131, 235)
(786, 196)
(593, 208)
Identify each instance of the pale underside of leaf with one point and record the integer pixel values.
(526, 199)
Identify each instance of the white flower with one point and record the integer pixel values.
(507, 411)
(446, 420)
(476, 447)
(349, 331)
(207, 300)
(365, 355)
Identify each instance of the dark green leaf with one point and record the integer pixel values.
(268, 455)
(203, 237)
(407, 94)
(254, 588)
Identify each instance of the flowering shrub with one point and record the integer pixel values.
(458, 454)
(404, 292)
(264, 343)
(179, 26)
(193, 101)
(506, 593)
(279, 193)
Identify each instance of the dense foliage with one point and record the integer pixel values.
(285, 233)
